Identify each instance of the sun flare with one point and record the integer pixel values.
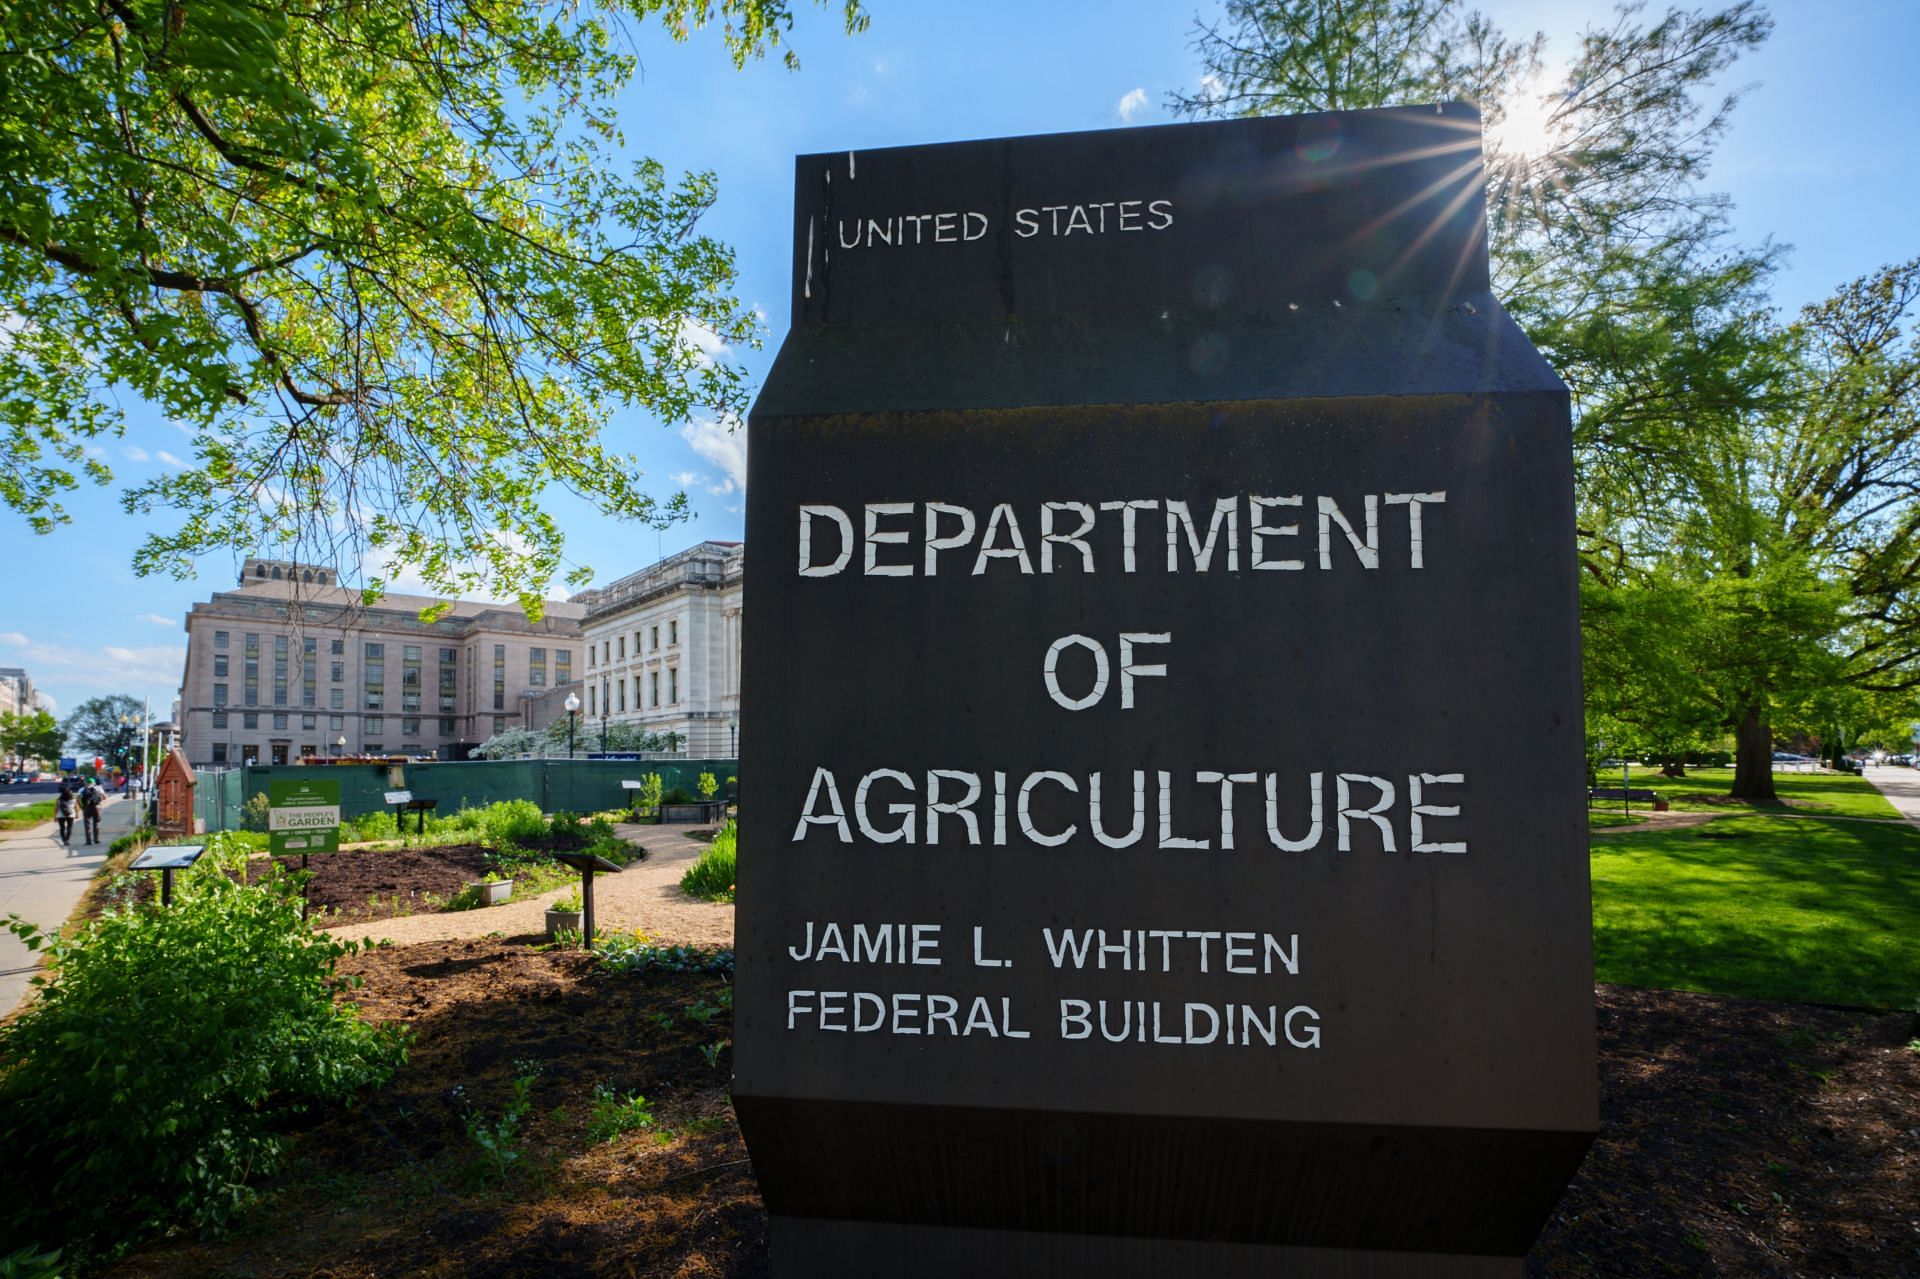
(1526, 130)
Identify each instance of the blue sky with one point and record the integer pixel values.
(1822, 157)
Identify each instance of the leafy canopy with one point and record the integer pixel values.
(387, 265)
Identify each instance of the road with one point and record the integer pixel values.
(41, 881)
(1901, 786)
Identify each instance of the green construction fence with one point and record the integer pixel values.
(557, 785)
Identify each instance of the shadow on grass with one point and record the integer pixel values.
(1816, 912)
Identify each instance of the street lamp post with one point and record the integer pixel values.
(340, 746)
(573, 711)
(603, 732)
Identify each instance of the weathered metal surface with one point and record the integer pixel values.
(1387, 604)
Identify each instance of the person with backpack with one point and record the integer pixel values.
(65, 809)
(92, 795)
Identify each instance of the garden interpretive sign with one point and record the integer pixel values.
(1168, 852)
(303, 816)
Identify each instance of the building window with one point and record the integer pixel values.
(536, 668)
(673, 685)
(374, 677)
(499, 723)
(279, 670)
(219, 719)
(219, 694)
(336, 699)
(219, 752)
(623, 694)
(655, 636)
(219, 639)
(410, 678)
(220, 666)
(563, 666)
(337, 647)
(673, 633)
(250, 719)
(410, 728)
(592, 709)
(251, 674)
(589, 657)
(374, 748)
(279, 721)
(412, 748)
(499, 677)
(309, 672)
(335, 723)
(307, 723)
(449, 679)
(446, 727)
(373, 724)
(656, 688)
(623, 647)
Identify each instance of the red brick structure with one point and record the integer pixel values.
(174, 795)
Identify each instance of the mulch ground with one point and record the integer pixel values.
(358, 883)
(1738, 1138)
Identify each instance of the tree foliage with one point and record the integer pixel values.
(96, 726)
(30, 736)
(389, 266)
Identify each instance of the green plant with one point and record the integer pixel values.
(616, 1114)
(496, 877)
(30, 1263)
(138, 837)
(512, 823)
(378, 824)
(649, 792)
(713, 1050)
(711, 877)
(678, 795)
(255, 813)
(636, 953)
(708, 786)
(499, 1139)
(136, 1086)
(568, 902)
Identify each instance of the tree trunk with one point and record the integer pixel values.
(1673, 767)
(1753, 757)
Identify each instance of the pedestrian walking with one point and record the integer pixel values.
(65, 809)
(91, 797)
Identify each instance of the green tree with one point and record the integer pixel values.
(96, 726)
(35, 736)
(385, 262)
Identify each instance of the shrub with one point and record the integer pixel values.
(253, 813)
(569, 902)
(136, 1088)
(711, 877)
(512, 822)
(635, 953)
(678, 795)
(378, 824)
(138, 837)
(708, 785)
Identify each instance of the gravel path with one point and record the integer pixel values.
(646, 896)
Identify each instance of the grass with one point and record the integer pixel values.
(1764, 906)
(30, 815)
(1704, 790)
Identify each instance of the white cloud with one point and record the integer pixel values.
(134, 453)
(95, 452)
(171, 460)
(707, 345)
(723, 447)
(93, 669)
(1132, 104)
(1211, 89)
(158, 620)
(686, 479)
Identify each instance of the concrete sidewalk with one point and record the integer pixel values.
(1901, 786)
(42, 880)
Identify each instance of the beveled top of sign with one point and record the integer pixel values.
(1349, 206)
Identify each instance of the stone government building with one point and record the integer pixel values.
(289, 663)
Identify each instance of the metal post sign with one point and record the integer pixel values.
(303, 816)
(1168, 852)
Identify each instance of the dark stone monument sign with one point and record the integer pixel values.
(1164, 849)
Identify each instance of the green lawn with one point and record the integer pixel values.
(30, 815)
(1705, 790)
(1771, 907)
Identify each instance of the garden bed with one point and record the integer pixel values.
(1738, 1138)
(368, 883)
